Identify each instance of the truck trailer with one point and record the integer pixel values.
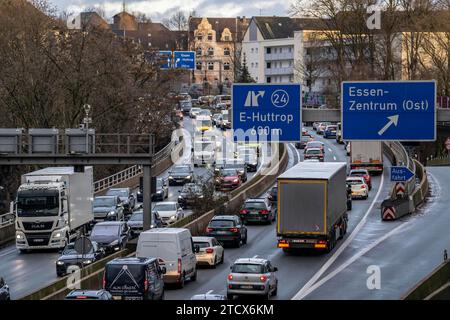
(52, 206)
(312, 206)
(367, 155)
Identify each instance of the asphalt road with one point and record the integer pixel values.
(294, 271)
(405, 251)
(26, 273)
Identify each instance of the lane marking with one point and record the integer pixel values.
(329, 149)
(353, 259)
(8, 252)
(334, 157)
(254, 257)
(210, 291)
(304, 290)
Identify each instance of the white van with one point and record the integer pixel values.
(175, 250)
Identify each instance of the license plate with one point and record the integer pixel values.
(221, 232)
(117, 298)
(253, 212)
(246, 287)
(38, 240)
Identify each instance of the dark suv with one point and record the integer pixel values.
(229, 229)
(112, 236)
(134, 279)
(258, 210)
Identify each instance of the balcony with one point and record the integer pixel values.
(279, 71)
(279, 56)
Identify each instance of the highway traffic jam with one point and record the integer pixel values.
(318, 188)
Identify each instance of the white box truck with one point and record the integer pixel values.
(312, 206)
(52, 205)
(367, 155)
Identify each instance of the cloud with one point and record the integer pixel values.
(158, 9)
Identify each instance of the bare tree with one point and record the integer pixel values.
(179, 21)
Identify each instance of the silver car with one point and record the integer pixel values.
(252, 276)
(210, 251)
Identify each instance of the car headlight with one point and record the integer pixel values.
(236, 180)
(19, 237)
(59, 263)
(170, 177)
(180, 198)
(188, 177)
(173, 218)
(112, 213)
(57, 235)
(159, 191)
(114, 243)
(89, 261)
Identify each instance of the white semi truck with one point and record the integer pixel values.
(367, 155)
(52, 206)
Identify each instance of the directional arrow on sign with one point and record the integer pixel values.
(393, 120)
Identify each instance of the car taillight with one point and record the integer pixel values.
(230, 277)
(264, 211)
(263, 278)
(179, 267)
(363, 186)
(243, 212)
(81, 297)
(209, 250)
(146, 284)
(209, 230)
(234, 230)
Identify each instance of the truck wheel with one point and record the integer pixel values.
(181, 283)
(194, 276)
(222, 259)
(23, 251)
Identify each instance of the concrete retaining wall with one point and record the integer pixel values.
(434, 286)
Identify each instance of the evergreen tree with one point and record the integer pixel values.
(244, 74)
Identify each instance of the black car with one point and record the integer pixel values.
(161, 192)
(108, 208)
(179, 175)
(273, 194)
(70, 257)
(4, 290)
(112, 236)
(136, 222)
(134, 279)
(258, 210)
(227, 229)
(188, 195)
(126, 196)
(89, 295)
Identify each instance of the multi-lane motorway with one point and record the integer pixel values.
(403, 251)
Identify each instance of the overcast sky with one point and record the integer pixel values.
(161, 8)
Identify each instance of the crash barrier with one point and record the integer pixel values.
(92, 275)
(254, 188)
(125, 178)
(89, 277)
(404, 197)
(436, 286)
(439, 161)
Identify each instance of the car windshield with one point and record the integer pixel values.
(205, 123)
(225, 116)
(205, 112)
(137, 216)
(159, 183)
(70, 250)
(104, 202)
(228, 172)
(255, 206)
(37, 203)
(305, 138)
(247, 268)
(331, 128)
(117, 192)
(314, 145)
(203, 146)
(358, 173)
(202, 244)
(181, 170)
(313, 151)
(165, 207)
(216, 223)
(193, 110)
(105, 230)
(274, 190)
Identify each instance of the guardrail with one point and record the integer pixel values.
(439, 161)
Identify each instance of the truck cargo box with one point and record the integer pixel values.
(312, 197)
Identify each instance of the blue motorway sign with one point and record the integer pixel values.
(165, 59)
(389, 110)
(184, 60)
(269, 112)
(401, 174)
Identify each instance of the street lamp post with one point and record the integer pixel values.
(86, 121)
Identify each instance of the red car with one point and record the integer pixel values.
(362, 173)
(228, 179)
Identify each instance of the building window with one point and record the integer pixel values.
(253, 64)
(252, 50)
(256, 64)
(210, 51)
(199, 66)
(268, 50)
(226, 51)
(226, 66)
(227, 38)
(256, 78)
(256, 50)
(268, 79)
(269, 65)
(210, 36)
(199, 51)
(308, 51)
(210, 65)
(199, 36)
(290, 49)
